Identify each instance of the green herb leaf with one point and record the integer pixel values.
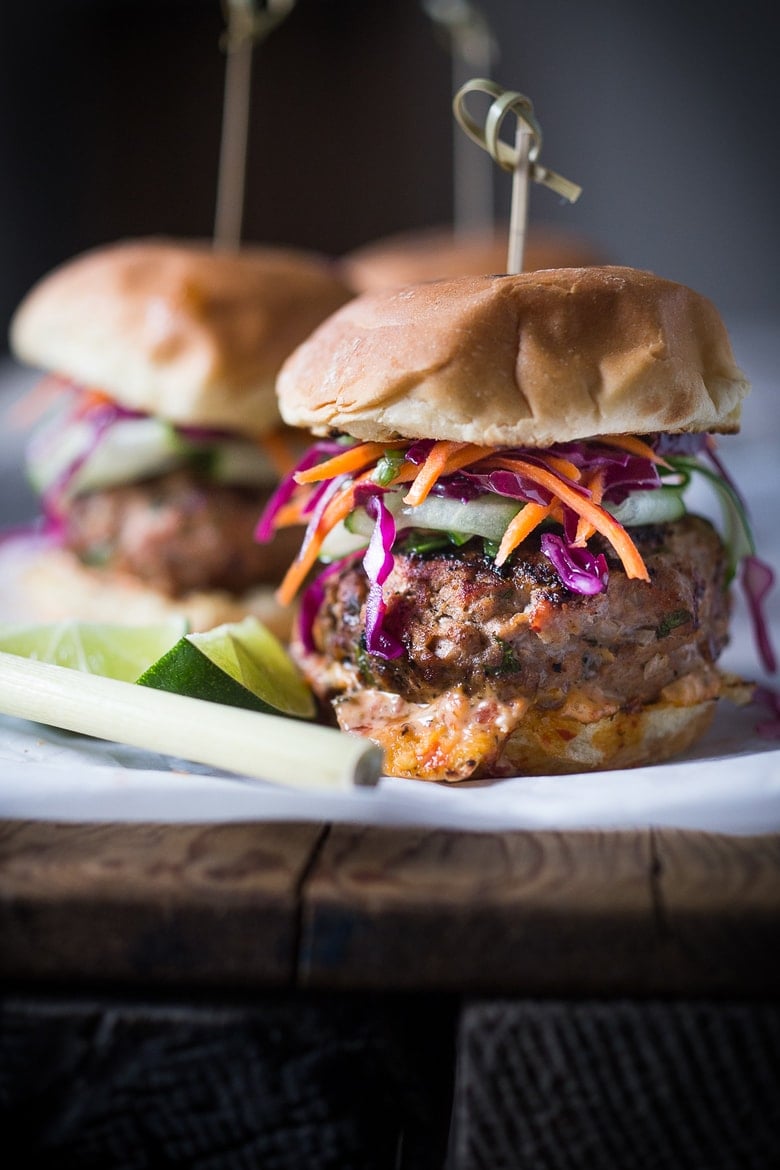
(678, 617)
(387, 467)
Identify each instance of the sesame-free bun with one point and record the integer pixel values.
(177, 328)
(549, 744)
(518, 360)
(440, 254)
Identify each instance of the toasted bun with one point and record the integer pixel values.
(177, 328)
(529, 359)
(42, 583)
(439, 254)
(550, 744)
(547, 743)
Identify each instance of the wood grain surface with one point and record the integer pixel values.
(343, 906)
(505, 911)
(214, 903)
(719, 908)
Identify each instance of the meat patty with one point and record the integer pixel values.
(179, 533)
(518, 633)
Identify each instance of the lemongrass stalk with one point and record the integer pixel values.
(265, 747)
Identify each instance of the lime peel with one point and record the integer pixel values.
(240, 664)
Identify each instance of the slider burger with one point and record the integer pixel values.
(161, 440)
(513, 583)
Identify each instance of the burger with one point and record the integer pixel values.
(439, 253)
(511, 580)
(160, 438)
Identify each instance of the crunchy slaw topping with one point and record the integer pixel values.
(86, 418)
(566, 491)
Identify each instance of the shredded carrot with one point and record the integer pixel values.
(633, 445)
(353, 459)
(444, 458)
(278, 445)
(519, 527)
(563, 467)
(28, 409)
(338, 508)
(431, 469)
(91, 399)
(585, 529)
(601, 520)
(290, 514)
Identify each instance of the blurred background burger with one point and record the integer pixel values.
(438, 253)
(160, 438)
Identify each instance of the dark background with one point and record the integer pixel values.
(665, 112)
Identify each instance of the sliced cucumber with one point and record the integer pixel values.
(486, 516)
(239, 461)
(130, 449)
(340, 542)
(53, 449)
(136, 448)
(657, 506)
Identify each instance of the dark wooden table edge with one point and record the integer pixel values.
(255, 906)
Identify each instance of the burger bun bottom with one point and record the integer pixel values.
(551, 744)
(40, 582)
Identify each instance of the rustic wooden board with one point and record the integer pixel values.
(191, 904)
(385, 909)
(718, 902)
(518, 912)
(543, 913)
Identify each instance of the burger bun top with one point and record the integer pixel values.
(178, 329)
(518, 360)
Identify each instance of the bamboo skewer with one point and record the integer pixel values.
(249, 22)
(520, 159)
(473, 49)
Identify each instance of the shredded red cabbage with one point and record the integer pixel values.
(457, 487)
(101, 419)
(313, 597)
(333, 486)
(769, 728)
(682, 444)
(418, 452)
(283, 493)
(757, 579)
(511, 484)
(578, 568)
(43, 529)
(378, 564)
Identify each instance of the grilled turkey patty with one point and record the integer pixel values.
(517, 631)
(179, 533)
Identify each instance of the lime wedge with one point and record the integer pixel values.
(240, 664)
(114, 651)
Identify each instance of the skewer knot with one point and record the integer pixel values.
(505, 102)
